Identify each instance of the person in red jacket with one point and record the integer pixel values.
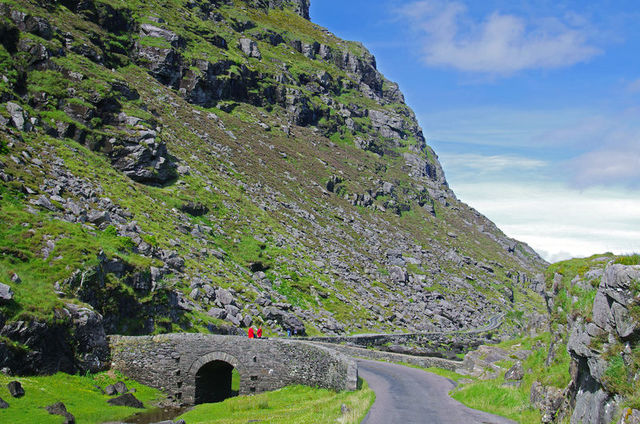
(251, 333)
(259, 335)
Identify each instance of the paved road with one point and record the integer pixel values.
(410, 396)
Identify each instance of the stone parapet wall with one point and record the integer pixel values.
(433, 344)
(398, 358)
(170, 362)
(427, 344)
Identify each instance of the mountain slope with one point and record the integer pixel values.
(193, 165)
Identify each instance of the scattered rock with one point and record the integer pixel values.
(99, 217)
(549, 400)
(224, 296)
(19, 118)
(515, 373)
(120, 387)
(127, 399)
(59, 408)
(250, 48)
(344, 409)
(194, 209)
(217, 313)
(398, 274)
(15, 389)
(286, 320)
(148, 30)
(3, 404)
(44, 202)
(6, 294)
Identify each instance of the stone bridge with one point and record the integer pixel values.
(197, 368)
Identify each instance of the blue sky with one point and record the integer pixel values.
(532, 106)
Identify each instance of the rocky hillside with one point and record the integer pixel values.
(205, 165)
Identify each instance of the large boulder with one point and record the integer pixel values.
(286, 320)
(15, 389)
(59, 408)
(550, 400)
(6, 294)
(145, 161)
(250, 48)
(74, 342)
(89, 338)
(128, 399)
(19, 117)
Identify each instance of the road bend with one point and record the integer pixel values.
(407, 395)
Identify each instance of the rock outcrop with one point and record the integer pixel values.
(612, 324)
(74, 342)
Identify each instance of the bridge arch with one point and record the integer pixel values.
(211, 375)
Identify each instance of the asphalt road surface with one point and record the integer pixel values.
(411, 396)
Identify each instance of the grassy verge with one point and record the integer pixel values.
(79, 394)
(451, 375)
(293, 404)
(491, 396)
(496, 397)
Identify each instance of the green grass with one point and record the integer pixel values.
(628, 259)
(451, 375)
(235, 380)
(491, 396)
(292, 404)
(78, 393)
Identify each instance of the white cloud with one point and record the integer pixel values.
(478, 164)
(499, 44)
(557, 221)
(617, 165)
(634, 86)
(613, 157)
(509, 127)
(582, 147)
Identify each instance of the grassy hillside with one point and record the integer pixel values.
(204, 166)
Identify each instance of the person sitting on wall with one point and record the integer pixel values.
(259, 333)
(250, 333)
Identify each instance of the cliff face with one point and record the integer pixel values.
(205, 165)
(604, 349)
(595, 315)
